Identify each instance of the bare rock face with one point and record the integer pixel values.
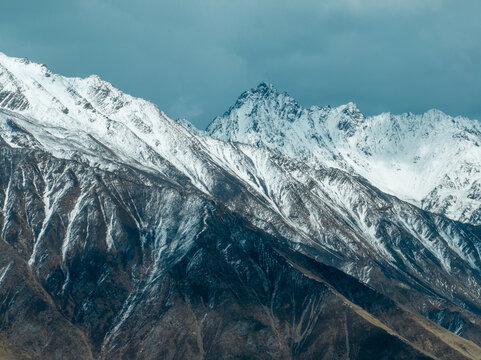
(180, 277)
(128, 235)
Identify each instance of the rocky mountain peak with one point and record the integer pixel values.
(265, 96)
(407, 155)
(262, 109)
(351, 109)
(262, 91)
(265, 88)
(112, 212)
(350, 118)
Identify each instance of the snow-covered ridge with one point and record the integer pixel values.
(432, 160)
(278, 181)
(91, 119)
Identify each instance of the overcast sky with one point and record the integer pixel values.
(193, 58)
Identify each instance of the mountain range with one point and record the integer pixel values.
(278, 232)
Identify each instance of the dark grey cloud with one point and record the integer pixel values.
(193, 57)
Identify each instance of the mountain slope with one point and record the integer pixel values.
(409, 156)
(130, 261)
(140, 230)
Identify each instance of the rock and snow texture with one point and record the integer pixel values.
(410, 156)
(432, 160)
(104, 194)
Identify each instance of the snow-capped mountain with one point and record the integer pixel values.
(139, 236)
(432, 160)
